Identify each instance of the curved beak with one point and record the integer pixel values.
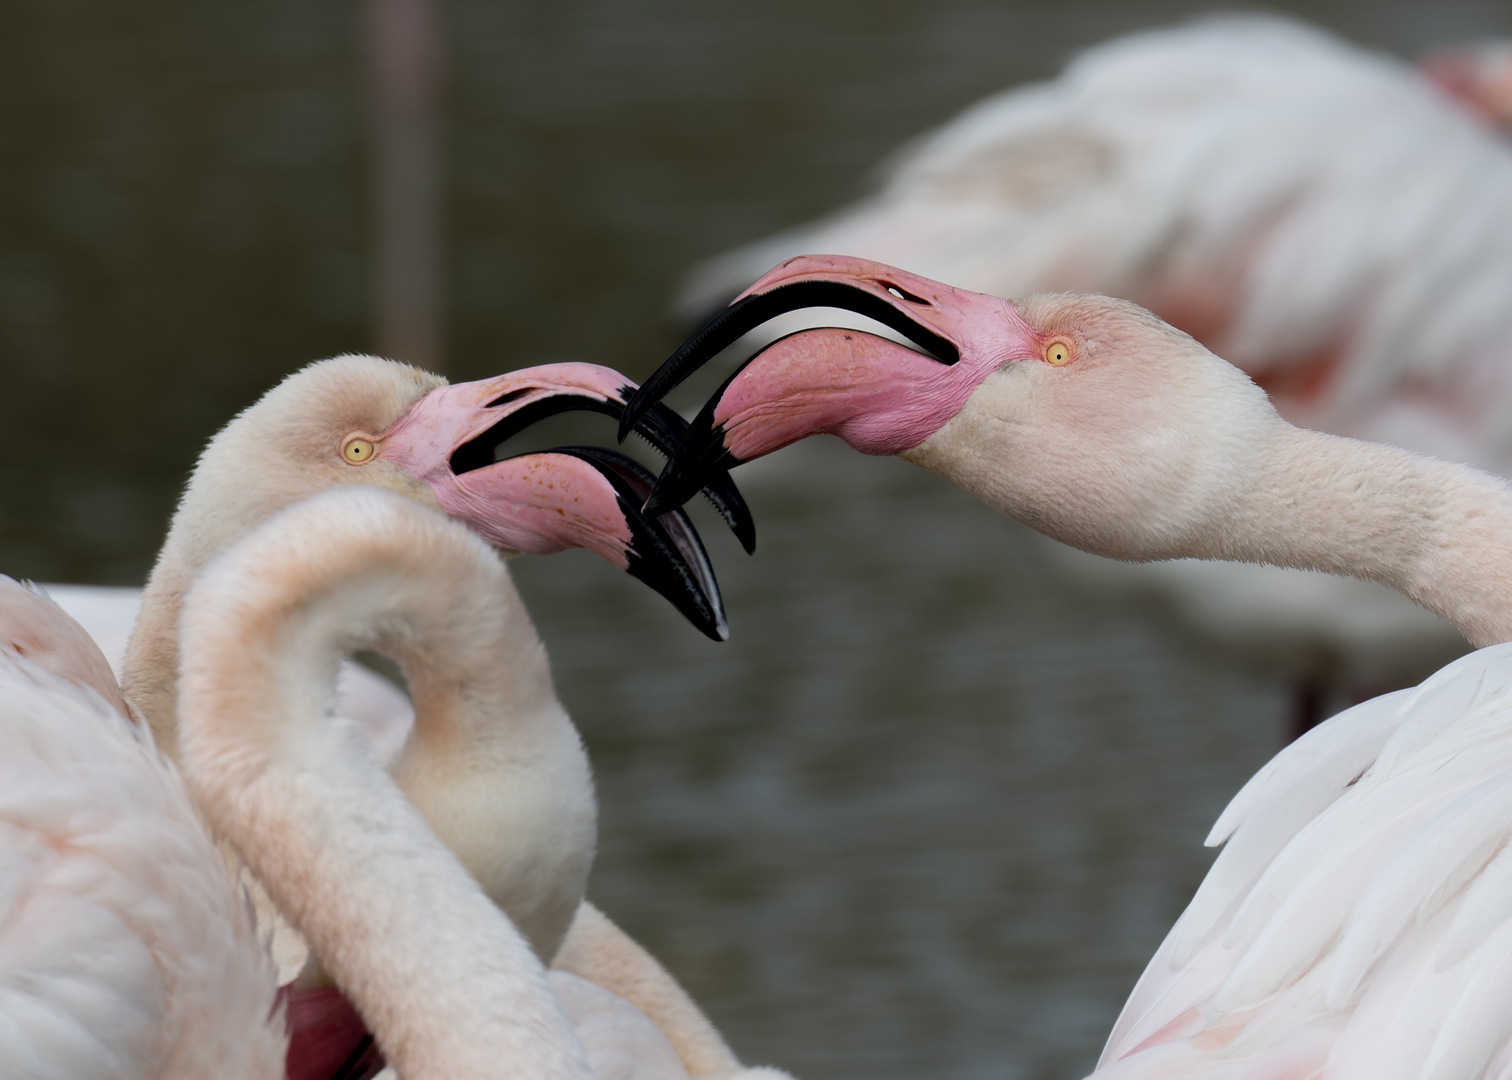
(590, 497)
(565, 497)
(465, 422)
(874, 393)
(880, 396)
(893, 297)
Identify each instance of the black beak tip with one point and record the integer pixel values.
(745, 532)
(628, 394)
(702, 453)
(659, 502)
(666, 553)
(703, 610)
(716, 631)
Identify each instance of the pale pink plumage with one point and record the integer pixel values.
(124, 948)
(512, 795)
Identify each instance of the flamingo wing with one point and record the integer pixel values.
(1360, 916)
(124, 949)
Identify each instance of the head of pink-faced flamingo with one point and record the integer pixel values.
(878, 395)
(567, 496)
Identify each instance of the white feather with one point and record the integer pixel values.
(124, 948)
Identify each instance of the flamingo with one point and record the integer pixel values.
(129, 951)
(1357, 924)
(361, 421)
(1325, 217)
(621, 1041)
(364, 421)
(447, 983)
(188, 990)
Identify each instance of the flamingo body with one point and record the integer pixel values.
(621, 1044)
(621, 1041)
(125, 949)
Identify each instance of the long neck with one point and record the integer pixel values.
(495, 766)
(149, 675)
(438, 973)
(1259, 491)
(1438, 532)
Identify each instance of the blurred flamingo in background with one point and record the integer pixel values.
(1327, 218)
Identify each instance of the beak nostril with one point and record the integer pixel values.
(903, 294)
(505, 399)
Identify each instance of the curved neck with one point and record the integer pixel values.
(494, 763)
(437, 972)
(149, 671)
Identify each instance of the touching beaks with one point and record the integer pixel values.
(701, 452)
(467, 421)
(564, 497)
(590, 497)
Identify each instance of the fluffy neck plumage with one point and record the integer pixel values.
(1440, 533)
(494, 766)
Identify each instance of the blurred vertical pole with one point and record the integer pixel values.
(404, 63)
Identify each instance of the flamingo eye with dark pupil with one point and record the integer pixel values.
(357, 451)
(1057, 353)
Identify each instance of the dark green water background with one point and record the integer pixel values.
(932, 807)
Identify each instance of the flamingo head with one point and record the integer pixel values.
(362, 420)
(1084, 416)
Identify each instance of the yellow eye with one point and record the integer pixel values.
(357, 451)
(1058, 352)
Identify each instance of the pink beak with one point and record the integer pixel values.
(879, 396)
(565, 497)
